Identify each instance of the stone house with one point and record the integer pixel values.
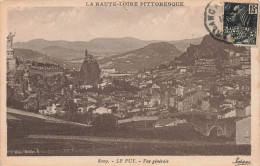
(243, 131)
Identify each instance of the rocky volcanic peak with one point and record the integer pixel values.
(208, 48)
(90, 71)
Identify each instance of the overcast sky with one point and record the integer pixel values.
(86, 23)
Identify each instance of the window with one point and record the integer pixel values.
(247, 135)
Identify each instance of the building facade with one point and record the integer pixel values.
(10, 53)
(243, 131)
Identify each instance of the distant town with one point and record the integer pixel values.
(194, 96)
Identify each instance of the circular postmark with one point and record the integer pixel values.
(213, 20)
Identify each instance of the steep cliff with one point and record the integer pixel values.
(89, 71)
(208, 48)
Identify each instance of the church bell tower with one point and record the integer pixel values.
(10, 52)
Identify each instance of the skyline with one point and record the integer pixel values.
(101, 38)
(145, 24)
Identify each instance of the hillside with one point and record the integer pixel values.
(144, 58)
(27, 54)
(116, 45)
(99, 47)
(184, 44)
(61, 52)
(208, 48)
(75, 50)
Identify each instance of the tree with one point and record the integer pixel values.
(162, 66)
(121, 85)
(70, 109)
(16, 62)
(105, 122)
(10, 94)
(172, 109)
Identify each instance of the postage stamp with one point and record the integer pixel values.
(234, 23)
(240, 21)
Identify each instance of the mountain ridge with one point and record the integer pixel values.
(147, 57)
(100, 47)
(27, 54)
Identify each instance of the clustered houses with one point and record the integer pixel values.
(180, 89)
(205, 65)
(160, 93)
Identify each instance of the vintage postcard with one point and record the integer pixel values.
(130, 83)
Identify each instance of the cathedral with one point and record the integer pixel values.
(10, 52)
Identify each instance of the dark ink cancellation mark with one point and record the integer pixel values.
(213, 20)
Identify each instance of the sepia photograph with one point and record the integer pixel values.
(78, 86)
(131, 79)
